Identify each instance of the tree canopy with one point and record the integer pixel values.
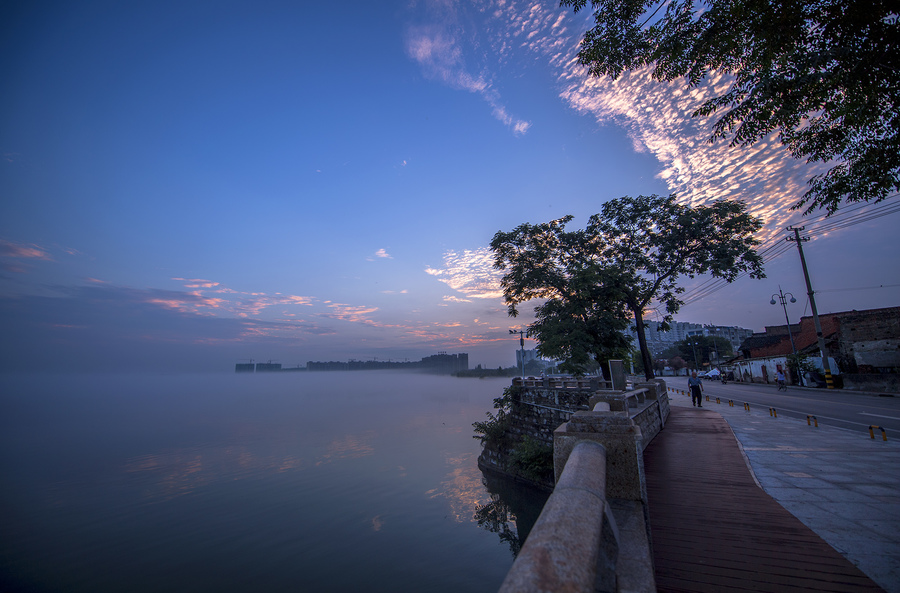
(824, 74)
(583, 317)
(630, 254)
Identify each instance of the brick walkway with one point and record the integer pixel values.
(714, 529)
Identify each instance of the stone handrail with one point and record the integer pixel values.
(548, 562)
(575, 544)
(591, 384)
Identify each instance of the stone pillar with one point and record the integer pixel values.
(617, 374)
(622, 440)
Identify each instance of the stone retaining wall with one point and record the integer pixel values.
(535, 413)
(537, 410)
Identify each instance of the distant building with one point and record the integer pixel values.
(267, 367)
(244, 367)
(446, 363)
(439, 363)
(532, 355)
(659, 341)
(327, 366)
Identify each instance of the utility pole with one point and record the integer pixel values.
(829, 382)
(712, 335)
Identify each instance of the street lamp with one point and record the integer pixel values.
(691, 340)
(781, 297)
(522, 344)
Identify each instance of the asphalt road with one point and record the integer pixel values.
(843, 409)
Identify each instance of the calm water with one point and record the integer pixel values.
(360, 481)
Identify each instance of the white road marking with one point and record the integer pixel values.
(878, 415)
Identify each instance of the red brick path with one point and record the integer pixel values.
(714, 529)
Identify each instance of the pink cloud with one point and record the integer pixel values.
(22, 251)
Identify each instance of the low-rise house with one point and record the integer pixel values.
(864, 345)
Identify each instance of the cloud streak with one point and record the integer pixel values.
(656, 115)
(470, 273)
(22, 251)
(438, 48)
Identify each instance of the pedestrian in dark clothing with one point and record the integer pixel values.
(696, 386)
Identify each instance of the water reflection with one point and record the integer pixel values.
(462, 487)
(512, 511)
(324, 483)
(171, 473)
(351, 446)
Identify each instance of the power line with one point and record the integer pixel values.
(821, 223)
(860, 288)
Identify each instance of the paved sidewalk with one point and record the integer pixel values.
(842, 484)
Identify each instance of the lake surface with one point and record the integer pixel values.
(332, 481)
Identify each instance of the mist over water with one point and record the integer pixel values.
(278, 482)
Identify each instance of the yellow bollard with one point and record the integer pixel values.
(773, 412)
(731, 403)
(747, 406)
(816, 420)
(872, 433)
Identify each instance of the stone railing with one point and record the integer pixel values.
(593, 534)
(566, 383)
(541, 565)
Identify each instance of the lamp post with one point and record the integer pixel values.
(781, 297)
(522, 344)
(691, 340)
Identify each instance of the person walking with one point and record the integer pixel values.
(695, 384)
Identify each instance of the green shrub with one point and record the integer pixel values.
(493, 430)
(533, 460)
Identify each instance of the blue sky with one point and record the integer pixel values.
(187, 184)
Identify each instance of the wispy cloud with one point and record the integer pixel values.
(208, 297)
(656, 115)
(197, 283)
(22, 251)
(13, 256)
(439, 49)
(353, 313)
(380, 254)
(470, 273)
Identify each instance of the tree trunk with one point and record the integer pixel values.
(642, 342)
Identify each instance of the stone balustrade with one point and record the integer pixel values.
(593, 534)
(547, 562)
(566, 383)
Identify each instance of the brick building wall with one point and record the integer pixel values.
(869, 341)
(843, 333)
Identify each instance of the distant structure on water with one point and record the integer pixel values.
(442, 363)
(259, 367)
